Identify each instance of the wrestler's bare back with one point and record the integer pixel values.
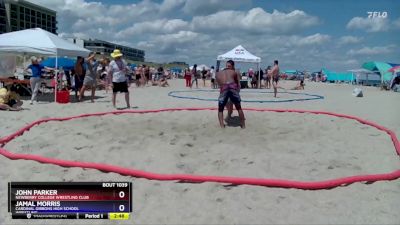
(227, 76)
(275, 71)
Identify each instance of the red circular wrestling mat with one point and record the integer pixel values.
(310, 185)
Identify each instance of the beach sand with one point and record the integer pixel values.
(303, 147)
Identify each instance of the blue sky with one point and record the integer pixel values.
(307, 34)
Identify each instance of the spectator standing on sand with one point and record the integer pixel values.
(79, 76)
(188, 77)
(194, 76)
(204, 76)
(269, 77)
(118, 70)
(261, 76)
(213, 74)
(146, 71)
(160, 73)
(138, 75)
(90, 81)
(275, 77)
(104, 74)
(35, 81)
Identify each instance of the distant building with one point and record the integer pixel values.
(19, 15)
(106, 48)
(179, 63)
(77, 41)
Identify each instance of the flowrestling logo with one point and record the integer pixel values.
(372, 15)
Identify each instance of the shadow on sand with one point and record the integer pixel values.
(233, 121)
(49, 97)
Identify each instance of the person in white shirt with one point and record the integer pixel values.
(118, 69)
(213, 83)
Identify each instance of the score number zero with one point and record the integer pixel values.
(121, 194)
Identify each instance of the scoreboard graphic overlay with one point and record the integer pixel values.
(70, 200)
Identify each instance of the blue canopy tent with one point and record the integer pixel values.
(335, 76)
(65, 63)
(291, 72)
(176, 70)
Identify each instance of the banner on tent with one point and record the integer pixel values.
(8, 65)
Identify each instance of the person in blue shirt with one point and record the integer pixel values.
(37, 71)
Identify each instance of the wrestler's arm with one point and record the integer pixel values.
(110, 70)
(273, 70)
(237, 79)
(217, 78)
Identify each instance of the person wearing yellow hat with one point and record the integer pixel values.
(9, 99)
(118, 70)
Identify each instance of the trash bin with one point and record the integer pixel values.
(62, 97)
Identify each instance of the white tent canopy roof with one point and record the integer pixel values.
(239, 54)
(39, 41)
(362, 70)
(200, 67)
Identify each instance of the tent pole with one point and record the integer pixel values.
(352, 77)
(259, 75)
(24, 56)
(56, 79)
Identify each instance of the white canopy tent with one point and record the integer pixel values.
(200, 67)
(362, 71)
(40, 42)
(240, 54)
(363, 74)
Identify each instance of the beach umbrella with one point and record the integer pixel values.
(393, 69)
(65, 63)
